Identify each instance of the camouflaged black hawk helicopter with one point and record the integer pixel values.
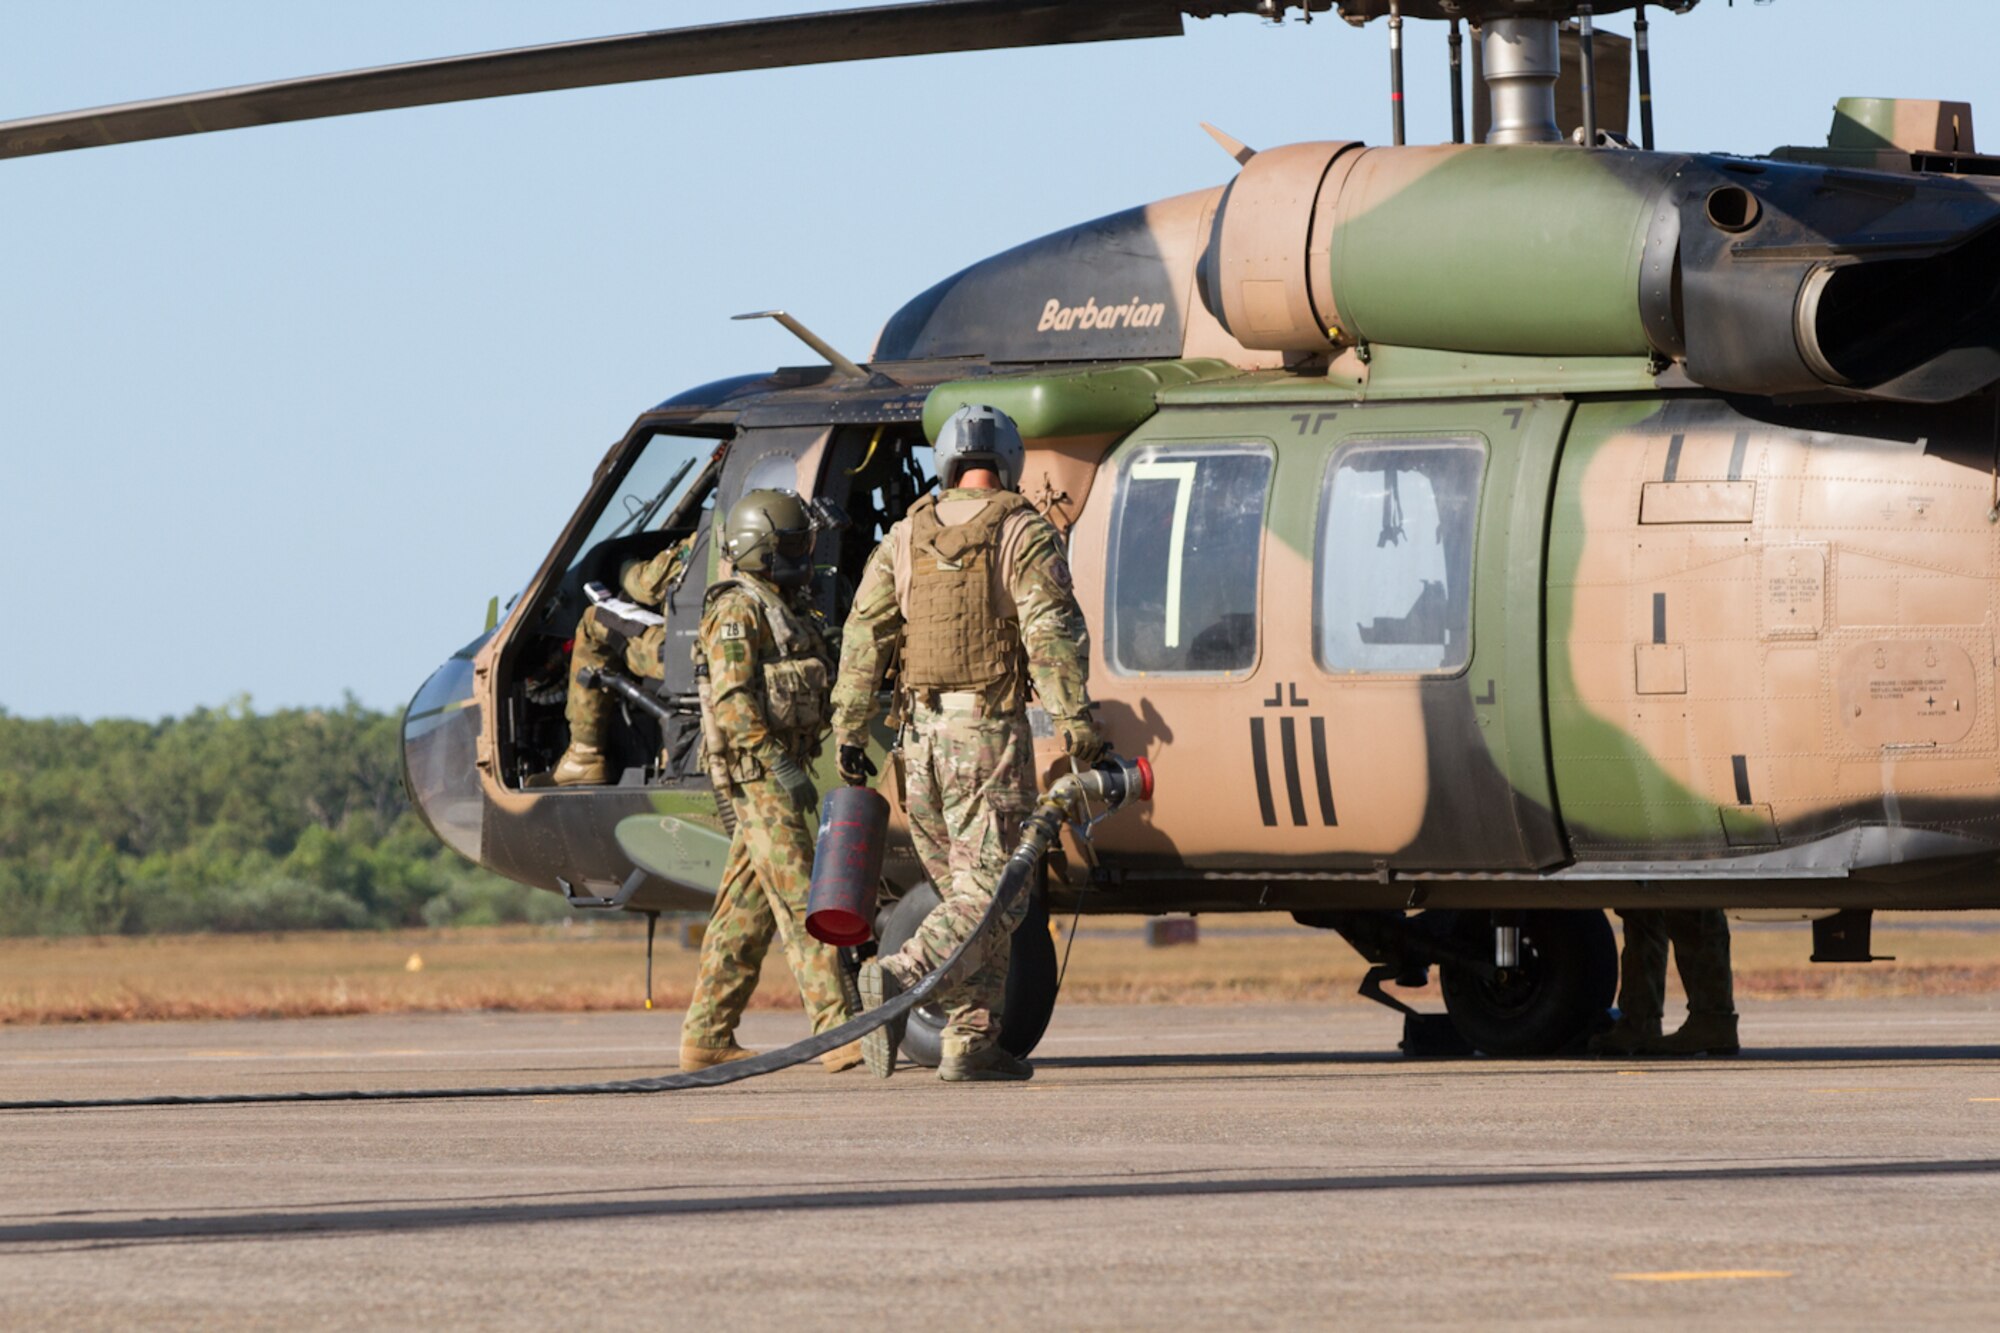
(1490, 533)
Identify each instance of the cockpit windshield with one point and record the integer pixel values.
(653, 491)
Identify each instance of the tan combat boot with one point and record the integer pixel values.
(695, 1057)
(988, 1062)
(1702, 1034)
(842, 1057)
(1626, 1036)
(582, 765)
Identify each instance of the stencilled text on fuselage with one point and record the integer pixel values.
(1134, 314)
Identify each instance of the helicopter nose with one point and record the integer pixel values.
(440, 740)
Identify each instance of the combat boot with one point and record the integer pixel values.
(695, 1057)
(878, 1048)
(986, 1063)
(842, 1057)
(1702, 1034)
(1625, 1036)
(582, 765)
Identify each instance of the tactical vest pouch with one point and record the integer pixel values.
(954, 636)
(795, 692)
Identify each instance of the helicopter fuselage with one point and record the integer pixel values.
(1584, 623)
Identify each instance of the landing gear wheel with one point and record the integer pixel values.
(1031, 979)
(1567, 978)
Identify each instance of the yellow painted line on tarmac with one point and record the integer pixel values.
(1983, 1099)
(1704, 1275)
(1634, 1073)
(733, 1119)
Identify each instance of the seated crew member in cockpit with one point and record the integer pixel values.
(599, 638)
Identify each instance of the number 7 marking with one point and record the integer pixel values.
(1182, 475)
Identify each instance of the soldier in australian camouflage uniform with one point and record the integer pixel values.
(973, 589)
(765, 668)
(600, 637)
(1700, 942)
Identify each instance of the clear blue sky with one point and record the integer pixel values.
(281, 408)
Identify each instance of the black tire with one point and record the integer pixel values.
(1567, 979)
(1031, 979)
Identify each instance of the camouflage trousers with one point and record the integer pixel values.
(763, 893)
(969, 781)
(1700, 942)
(597, 646)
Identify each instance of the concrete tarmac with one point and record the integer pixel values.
(1260, 1166)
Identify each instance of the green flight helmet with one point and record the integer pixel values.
(771, 533)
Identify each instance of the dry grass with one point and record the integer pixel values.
(599, 966)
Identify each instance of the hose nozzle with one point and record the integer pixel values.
(1111, 784)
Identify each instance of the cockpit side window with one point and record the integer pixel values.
(657, 490)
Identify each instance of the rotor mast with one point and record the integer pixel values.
(1517, 54)
(1522, 58)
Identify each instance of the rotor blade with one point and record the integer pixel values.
(798, 39)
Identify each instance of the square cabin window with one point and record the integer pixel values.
(1394, 574)
(1186, 540)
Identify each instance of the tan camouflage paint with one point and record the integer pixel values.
(1841, 641)
(1205, 810)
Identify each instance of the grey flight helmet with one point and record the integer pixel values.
(980, 436)
(771, 533)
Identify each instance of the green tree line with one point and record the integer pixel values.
(227, 820)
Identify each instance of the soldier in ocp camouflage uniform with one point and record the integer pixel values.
(600, 639)
(972, 586)
(764, 668)
(1700, 940)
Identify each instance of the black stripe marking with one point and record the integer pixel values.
(1288, 739)
(1673, 457)
(1323, 772)
(1736, 452)
(1659, 617)
(1741, 764)
(1260, 760)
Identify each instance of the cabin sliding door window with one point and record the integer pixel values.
(1186, 541)
(1394, 574)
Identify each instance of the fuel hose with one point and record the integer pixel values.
(1112, 784)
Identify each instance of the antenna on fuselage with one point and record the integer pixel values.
(841, 365)
(1230, 144)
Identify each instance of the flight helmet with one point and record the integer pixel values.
(771, 533)
(980, 436)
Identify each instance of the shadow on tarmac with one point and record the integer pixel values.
(310, 1223)
(1755, 1055)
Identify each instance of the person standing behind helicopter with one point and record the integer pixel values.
(764, 668)
(973, 590)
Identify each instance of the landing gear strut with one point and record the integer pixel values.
(1515, 983)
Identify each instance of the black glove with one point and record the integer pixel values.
(1082, 742)
(798, 784)
(855, 765)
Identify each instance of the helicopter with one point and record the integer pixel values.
(1475, 536)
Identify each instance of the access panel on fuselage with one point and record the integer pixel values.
(1322, 624)
(1770, 628)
